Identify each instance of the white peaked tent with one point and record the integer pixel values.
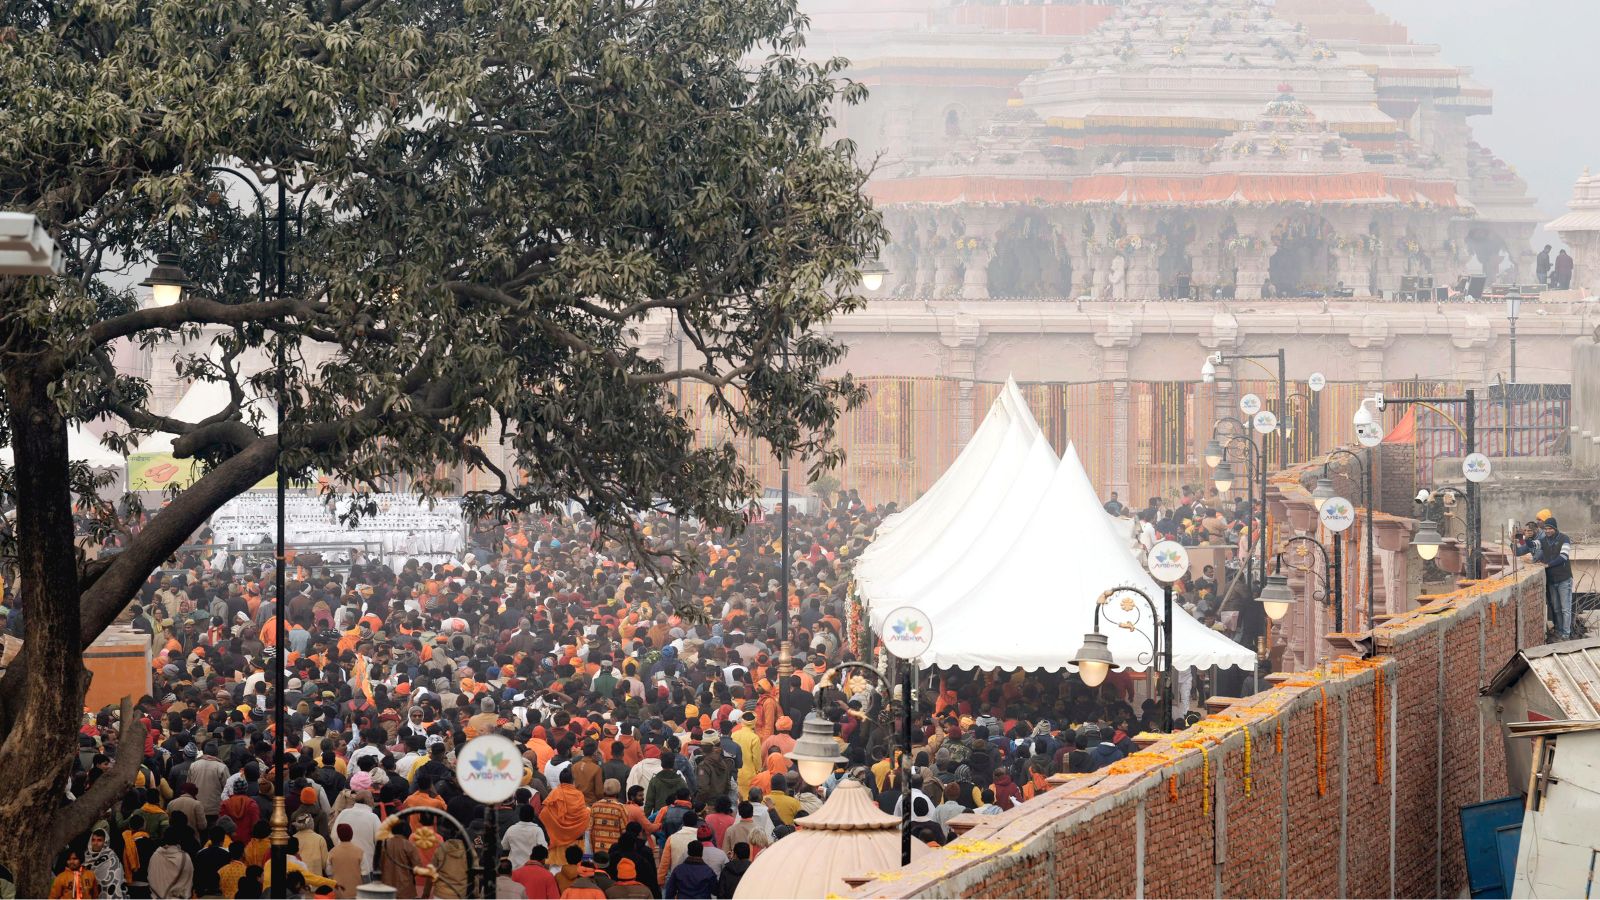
(1035, 600)
(999, 445)
(957, 560)
(203, 400)
(81, 447)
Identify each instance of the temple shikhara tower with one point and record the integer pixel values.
(1168, 149)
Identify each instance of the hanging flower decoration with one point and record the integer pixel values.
(1358, 243)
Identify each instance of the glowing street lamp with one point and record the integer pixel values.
(1093, 659)
(816, 752)
(872, 274)
(167, 280)
(1427, 540)
(1276, 598)
(1222, 476)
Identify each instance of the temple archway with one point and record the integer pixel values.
(1030, 260)
(1301, 262)
(1174, 268)
(1489, 252)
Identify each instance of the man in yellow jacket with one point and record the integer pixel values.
(749, 743)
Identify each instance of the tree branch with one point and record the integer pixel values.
(74, 819)
(198, 311)
(108, 595)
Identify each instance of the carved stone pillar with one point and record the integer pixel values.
(1354, 270)
(1392, 538)
(1204, 262)
(1471, 339)
(1116, 337)
(963, 415)
(961, 336)
(975, 282)
(1144, 280)
(1370, 340)
(1221, 336)
(1252, 265)
(1392, 265)
(927, 262)
(947, 274)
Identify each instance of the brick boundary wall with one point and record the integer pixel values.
(1352, 788)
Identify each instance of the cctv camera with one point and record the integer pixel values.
(1423, 496)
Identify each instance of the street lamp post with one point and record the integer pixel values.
(816, 752)
(1366, 469)
(1276, 598)
(1255, 470)
(167, 283)
(1513, 308)
(785, 648)
(1094, 659)
(1333, 591)
(1469, 434)
(1208, 374)
(1431, 535)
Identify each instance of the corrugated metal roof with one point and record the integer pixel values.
(1569, 670)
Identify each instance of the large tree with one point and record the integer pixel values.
(496, 194)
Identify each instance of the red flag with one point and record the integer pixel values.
(1405, 430)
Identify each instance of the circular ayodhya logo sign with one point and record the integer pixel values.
(1266, 421)
(1167, 561)
(489, 768)
(907, 633)
(1476, 467)
(1250, 404)
(1337, 514)
(1317, 381)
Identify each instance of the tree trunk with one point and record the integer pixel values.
(37, 751)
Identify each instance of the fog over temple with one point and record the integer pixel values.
(1172, 149)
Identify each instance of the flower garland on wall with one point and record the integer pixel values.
(853, 623)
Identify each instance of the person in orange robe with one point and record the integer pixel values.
(565, 815)
(777, 764)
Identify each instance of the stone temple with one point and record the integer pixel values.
(1172, 149)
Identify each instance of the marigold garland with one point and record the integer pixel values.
(1249, 783)
(1378, 700)
(1172, 788)
(854, 622)
(1322, 743)
(1278, 740)
(1140, 761)
(1205, 768)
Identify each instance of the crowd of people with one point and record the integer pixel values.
(1199, 518)
(654, 732)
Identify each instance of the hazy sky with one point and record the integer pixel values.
(1537, 57)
